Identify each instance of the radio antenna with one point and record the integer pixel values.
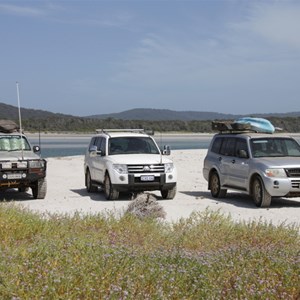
(20, 120)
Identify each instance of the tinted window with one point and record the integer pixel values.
(228, 146)
(134, 145)
(216, 145)
(241, 145)
(273, 147)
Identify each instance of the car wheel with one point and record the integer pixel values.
(88, 182)
(109, 191)
(39, 189)
(168, 194)
(260, 195)
(215, 186)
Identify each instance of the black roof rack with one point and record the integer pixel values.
(231, 127)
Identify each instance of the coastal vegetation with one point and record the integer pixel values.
(206, 256)
(160, 120)
(77, 124)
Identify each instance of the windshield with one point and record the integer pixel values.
(13, 143)
(274, 147)
(132, 145)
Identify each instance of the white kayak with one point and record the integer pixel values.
(257, 124)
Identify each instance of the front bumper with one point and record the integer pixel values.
(280, 187)
(134, 183)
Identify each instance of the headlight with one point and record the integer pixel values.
(33, 164)
(275, 173)
(22, 164)
(6, 165)
(169, 167)
(121, 169)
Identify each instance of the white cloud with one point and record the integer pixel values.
(275, 22)
(21, 10)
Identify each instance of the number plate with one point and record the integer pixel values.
(14, 176)
(147, 178)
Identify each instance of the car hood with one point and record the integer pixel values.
(138, 159)
(281, 162)
(17, 155)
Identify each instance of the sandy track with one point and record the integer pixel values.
(67, 194)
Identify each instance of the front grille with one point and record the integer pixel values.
(134, 169)
(293, 172)
(295, 184)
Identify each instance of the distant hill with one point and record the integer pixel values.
(166, 114)
(163, 114)
(11, 112)
(149, 114)
(158, 120)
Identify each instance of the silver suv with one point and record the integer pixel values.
(261, 165)
(128, 161)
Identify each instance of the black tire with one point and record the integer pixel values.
(169, 194)
(109, 191)
(260, 195)
(215, 186)
(39, 190)
(88, 183)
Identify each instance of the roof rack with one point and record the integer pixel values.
(231, 127)
(119, 130)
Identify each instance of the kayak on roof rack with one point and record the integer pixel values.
(244, 124)
(257, 124)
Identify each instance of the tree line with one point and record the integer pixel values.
(87, 125)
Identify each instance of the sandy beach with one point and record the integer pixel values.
(67, 194)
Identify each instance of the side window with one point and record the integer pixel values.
(228, 146)
(92, 142)
(102, 146)
(216, 145)
(241, 148)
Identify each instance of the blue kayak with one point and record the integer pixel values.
(257, 124)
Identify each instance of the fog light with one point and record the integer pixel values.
(276, 182)
(23, 175)
(122, 178)
(4, 176)
(170, 176)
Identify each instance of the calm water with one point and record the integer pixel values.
(69, 146)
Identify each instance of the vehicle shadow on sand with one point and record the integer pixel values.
(243, 200)
(99, 195)
(15, 195)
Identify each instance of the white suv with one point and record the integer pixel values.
(128, 161)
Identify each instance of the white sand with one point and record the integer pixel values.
(67, 194)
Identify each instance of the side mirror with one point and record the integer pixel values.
(94, 151)
(242, 154)
(167, 150)
(36, 149)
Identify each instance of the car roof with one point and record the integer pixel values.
(123, 134)
(255, 135)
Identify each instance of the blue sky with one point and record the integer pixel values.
(93, 57)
